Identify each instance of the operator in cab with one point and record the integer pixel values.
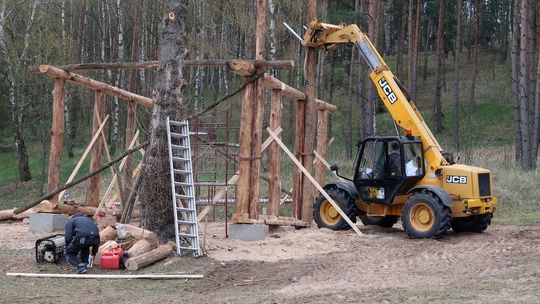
(394, 159)
(81, 234)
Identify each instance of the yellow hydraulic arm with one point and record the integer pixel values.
(402, 109)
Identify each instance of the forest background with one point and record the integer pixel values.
(471, 67)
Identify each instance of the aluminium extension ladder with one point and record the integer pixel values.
(183, 194)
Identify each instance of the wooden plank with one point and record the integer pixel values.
(105, 276)
(83, 156)
(94, 85)
(94, 183)
(274, 167)
(57, 137)
(314, 182)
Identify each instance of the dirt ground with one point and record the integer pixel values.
(305, 266)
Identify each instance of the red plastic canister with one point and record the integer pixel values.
(110, 259)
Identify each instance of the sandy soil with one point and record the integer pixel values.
(322, 266)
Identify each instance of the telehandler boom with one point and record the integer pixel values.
(401, 176)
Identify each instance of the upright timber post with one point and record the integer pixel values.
(258, 115)
(94, 183)
(308, 191)
(322, 144)
(57, 137)
(131, 122)
(274, 184)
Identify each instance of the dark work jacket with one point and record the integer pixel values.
(80, 226)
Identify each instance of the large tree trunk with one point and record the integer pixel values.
(524, 85)
(437, 104)
(401, 38)
(472, 98)
(155, 195)
(350, 95)
(515, 55)
(456, 72)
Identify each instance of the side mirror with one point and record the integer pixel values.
(334, 167)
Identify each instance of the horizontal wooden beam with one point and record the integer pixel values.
(275, 84)
(55, 72)
(278, 64)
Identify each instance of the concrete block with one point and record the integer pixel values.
(47, 222)
(248, 232)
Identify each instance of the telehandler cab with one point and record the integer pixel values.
(405, 176)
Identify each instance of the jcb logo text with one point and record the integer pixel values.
(387, 90)
(456, 179)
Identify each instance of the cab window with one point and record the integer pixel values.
(373, 162)
(413, 159)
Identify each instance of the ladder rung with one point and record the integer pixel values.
(189, 248)
(181, 209)
(185, 222)
(184, 197)
(177, 123)
(180, 159)
(182, 184)
(188, 235)
(178, 171)
(180, 147)
(178, 135)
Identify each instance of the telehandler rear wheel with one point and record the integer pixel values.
(476, 223)
(326, 216)
(381, 221)
(424, 216)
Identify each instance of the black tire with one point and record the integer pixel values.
(424, 216)
(383, 221)
(476, 223)
(326, 216)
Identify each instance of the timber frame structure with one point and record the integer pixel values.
(250, 136)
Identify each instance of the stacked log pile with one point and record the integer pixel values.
(142, 246)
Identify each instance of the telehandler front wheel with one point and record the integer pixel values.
(326, 216)
(424, 216)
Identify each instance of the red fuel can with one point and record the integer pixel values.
(110, 259)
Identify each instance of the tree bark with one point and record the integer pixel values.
(515, 55)
(274, 170)
(155, 196)
(401, 38)
(349, 113)
(94, 183)
(456, 73)
(472, 98)
(437, 104)
(57, 137)
(524, 86)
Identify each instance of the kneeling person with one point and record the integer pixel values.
(81, 234)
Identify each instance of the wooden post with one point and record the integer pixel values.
(274, 168)
(131, 122)
(94, 183)
(57, 137)
(298, 148)
(309, 121)
(256, 141)
(322, 144)
(246, 119)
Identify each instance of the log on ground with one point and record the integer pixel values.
(150, 257)
(140, 233)
(107, 234)
(141, 247)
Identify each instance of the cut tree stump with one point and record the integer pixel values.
(107, 234)
(141, 247)
(140, 233)
(150, 257)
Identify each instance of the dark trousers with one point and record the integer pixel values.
(81, 246)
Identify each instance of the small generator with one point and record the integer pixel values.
(50, 249)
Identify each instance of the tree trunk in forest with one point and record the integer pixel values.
(456, 73)
(368, 116)
(437, 104)
(429, 31)
(536, 127)
(350, 95)
(131, 119)
(410, 40)
(524, 86)
(401, 38)
(155, 195)
(413, 56)
(478, 6)
(515, 55)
